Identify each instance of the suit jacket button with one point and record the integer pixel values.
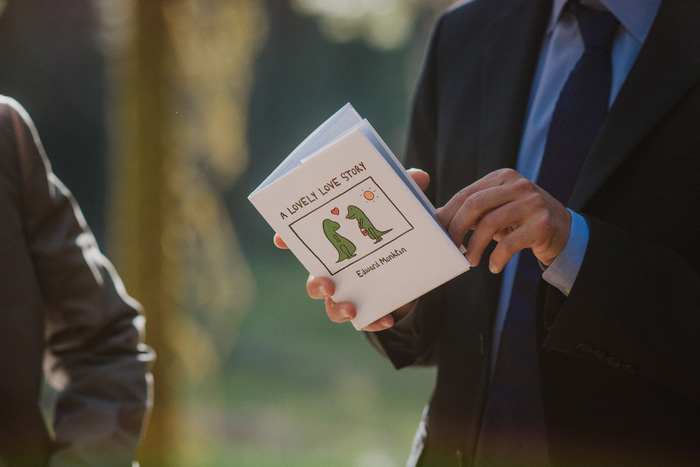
(613, 362)
(583, 347)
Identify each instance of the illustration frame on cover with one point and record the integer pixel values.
(356, 223)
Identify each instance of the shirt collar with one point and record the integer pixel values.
(635, 16)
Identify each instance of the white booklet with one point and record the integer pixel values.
(349, 211)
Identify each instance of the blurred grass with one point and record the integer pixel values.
(300, 390)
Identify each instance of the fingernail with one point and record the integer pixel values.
(323, 291)
(344, 313)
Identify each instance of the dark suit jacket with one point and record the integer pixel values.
(619, 359)
(64, 310)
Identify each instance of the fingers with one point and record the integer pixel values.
(470, 207)
(385, 322)
(344, 311)
(484, 213)
(279, 243)
(321, 288)
(381, 324)
(340, 312)
(421, 178)
(472, 195)
(506, 207)
(505, 216)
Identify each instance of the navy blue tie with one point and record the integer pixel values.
(581, 107)
(513, 428)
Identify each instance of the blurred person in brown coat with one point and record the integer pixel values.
(64, 313)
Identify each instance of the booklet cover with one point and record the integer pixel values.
(349, 211)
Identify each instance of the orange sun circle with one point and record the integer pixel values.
(369, 196)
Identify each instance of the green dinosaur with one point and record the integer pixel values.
(346, 249)
(365, 225)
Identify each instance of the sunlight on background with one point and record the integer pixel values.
(385, 24)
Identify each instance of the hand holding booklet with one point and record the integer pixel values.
(349, 211)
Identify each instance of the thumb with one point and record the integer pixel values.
(421, 178)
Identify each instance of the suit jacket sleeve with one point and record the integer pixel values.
(95, 356)
(634, 307)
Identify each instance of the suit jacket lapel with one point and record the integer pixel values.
(667, 66)
(509, 67)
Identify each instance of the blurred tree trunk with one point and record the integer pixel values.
(143, 202)
(180, 90)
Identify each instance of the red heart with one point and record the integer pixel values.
(335, 211)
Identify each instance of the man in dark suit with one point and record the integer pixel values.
(617, 364)
(64, 310)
